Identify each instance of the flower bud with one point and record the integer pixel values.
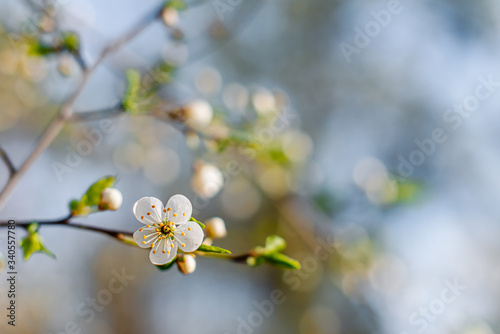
(170, 16)
(198, 113)
(111, 199)
(186, 263)
(207, 180)
(215, 228)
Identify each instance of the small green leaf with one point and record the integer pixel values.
(33, 243)
(275, 244)
(93, 194)
(281, 260)
(37, 48)
(192, 219)
(70, 41)
(167, 265)
(212, 249)
(131, 98)
(176, 4)
(92, 197)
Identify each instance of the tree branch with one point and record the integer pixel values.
(8, 162)
(66, 110)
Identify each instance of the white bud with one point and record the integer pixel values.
(207, 180)
(170, 16)
(198, 113)
(3, 262)
(215, 228)
(111, 199)
(186, 263)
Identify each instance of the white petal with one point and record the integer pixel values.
(149, 210)
(179, 209)
(150, 234)
(163, 253)
(192, 238)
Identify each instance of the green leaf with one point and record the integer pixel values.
(37, 48)
(275, 244)
(92, 197)
(281, 260)
(192, 219)
(212, 249)
(176, 4)
(70, 41)
(167, 265)
(131, 97)
(33, 243)
(93, 194)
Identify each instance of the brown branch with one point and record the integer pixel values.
(66, 110)
(4, 156)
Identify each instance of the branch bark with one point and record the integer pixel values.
(66, 110)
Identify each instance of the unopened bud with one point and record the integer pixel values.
(215, 228)
(111, 199)
(198, 113)
(186, 263)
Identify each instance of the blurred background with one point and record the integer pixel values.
(383, 179)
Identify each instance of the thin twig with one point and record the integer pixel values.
(66, 110)
(8, 162)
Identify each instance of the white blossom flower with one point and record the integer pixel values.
(111, 199)
(187, 264)
(207, 180)
(166, 228)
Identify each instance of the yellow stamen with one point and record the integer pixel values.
(153, 206)
(175, 215)
(183, 245)
(183, 233)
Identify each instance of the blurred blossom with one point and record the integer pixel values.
(192, 140)
(320, 320)
(3, 262)
(82, 11)
(207, 179)
(10, 113)
(208, 81)
(170, 16)
(67, 65)
(352, 284)
(387, 274)
(371, 175)
(129, 157)
(235, 97)
(198, 114)
(9, 61)
(274, 180)
(162, 165)
(240, 199)
(297, 146)
(263, 101)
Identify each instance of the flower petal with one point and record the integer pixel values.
(189, 236)
(163, 253)
(149, 210)
(179, 209)
(144, 237)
